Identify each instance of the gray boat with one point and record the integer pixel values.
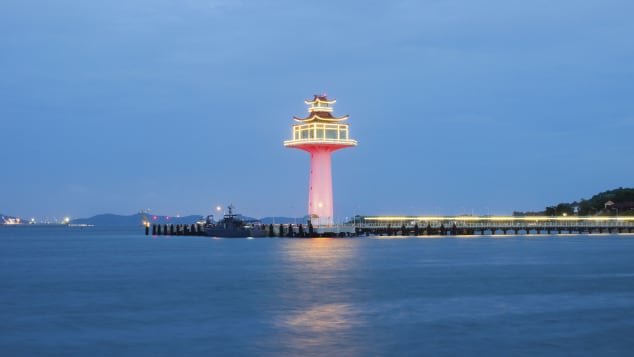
(234, 226)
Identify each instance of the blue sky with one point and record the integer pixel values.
(458, 106)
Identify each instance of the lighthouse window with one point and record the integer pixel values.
(331, 134)
(343, 134)
(318, 130)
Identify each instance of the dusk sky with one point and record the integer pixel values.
(458, 106)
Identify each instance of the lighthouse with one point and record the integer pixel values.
(320, 134)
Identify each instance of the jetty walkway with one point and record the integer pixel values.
(474, 225)
(435, 226)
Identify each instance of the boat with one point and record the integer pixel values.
(234, 226)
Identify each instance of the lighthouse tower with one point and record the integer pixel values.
(320, 133)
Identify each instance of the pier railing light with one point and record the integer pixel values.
(498, 218)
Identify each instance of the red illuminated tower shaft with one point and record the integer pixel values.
(320, 134)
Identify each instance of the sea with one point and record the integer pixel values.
(90, 291)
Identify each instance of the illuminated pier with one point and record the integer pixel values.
(469, 225)
(320, 134)
(436, 226)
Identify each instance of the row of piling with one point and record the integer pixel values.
(176, 230)
(281, 230)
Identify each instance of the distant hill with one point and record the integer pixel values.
(619, 201)
(114, 220)
(612, 202)
(135, 220)
(282, 220)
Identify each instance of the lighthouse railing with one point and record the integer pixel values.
(320, 141)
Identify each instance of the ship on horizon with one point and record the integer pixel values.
(233, 225)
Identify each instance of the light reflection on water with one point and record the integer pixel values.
(389, 295)
(321, 314)
(319, 254)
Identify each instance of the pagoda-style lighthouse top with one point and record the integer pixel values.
(320, 134)
(320, 126)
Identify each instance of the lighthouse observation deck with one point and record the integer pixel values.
(320, 133)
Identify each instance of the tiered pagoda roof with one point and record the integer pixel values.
(320, 110)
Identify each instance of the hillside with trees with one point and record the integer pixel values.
(618, 202)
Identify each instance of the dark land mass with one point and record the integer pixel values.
(114, 220)
(282, 220)
(618, 202)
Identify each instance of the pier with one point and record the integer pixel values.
(492, 225)
(430, 226)
(273, 230)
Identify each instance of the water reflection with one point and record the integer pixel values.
(319, 254)
(320, 311)
(323, 318)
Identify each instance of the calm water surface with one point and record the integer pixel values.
(71, 291)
